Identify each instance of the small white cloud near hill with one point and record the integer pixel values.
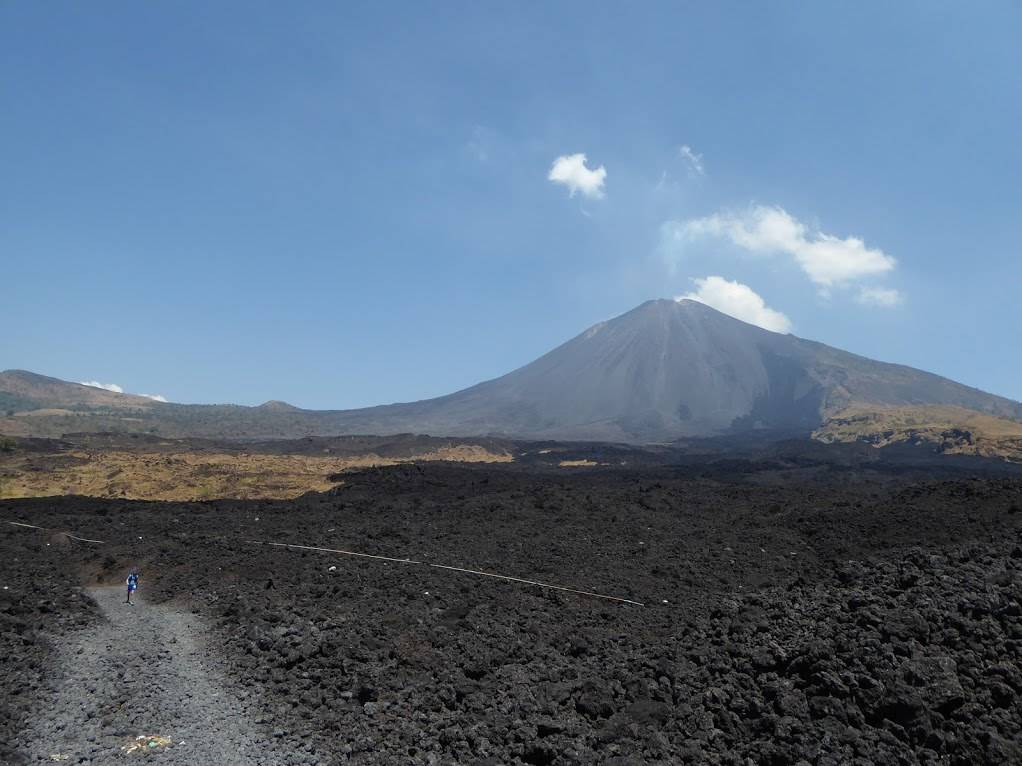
(118, 390)
(106, 386)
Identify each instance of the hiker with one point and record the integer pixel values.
(132, 582)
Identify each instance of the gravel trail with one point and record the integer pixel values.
(144, 670)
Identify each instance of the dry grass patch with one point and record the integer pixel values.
(185, 476)
(952, 430)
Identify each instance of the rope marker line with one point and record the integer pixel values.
(47, 529)
(540, 584)
(454, 569)
(335, 550)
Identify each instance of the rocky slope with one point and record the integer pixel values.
(824, 615)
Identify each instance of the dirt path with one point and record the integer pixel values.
(145, 670)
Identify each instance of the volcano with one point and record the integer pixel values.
(668, 370)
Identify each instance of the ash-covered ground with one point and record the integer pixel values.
(794, 610)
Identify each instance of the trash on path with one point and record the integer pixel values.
(144, 742)
(60, 757)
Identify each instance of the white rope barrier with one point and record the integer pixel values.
(47, 529)
(335, 550)
(455, 569)
(540, 584)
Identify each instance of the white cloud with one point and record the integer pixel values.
(696, 160)
(108, 386)
(739, 301)
(825, 259)
(118, 390)
(571, 171)
(879, 296)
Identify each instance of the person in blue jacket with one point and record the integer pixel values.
(132, 583)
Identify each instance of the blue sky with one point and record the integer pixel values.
(348, 204)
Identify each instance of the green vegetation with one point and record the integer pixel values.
(12, 403)
(7, 444)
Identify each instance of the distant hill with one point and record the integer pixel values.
(40, 406)
(25, 391)
(664, 371)
(278, 406)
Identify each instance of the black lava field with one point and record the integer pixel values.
(783, 614)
